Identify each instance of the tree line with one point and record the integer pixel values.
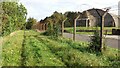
(13, 17)
(59, 16)
(54, 21)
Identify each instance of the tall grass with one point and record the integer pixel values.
(43, 50)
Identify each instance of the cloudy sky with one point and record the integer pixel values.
(39, 9)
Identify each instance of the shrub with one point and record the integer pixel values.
(53, 30)
(95, 42)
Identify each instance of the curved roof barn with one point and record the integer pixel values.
(94, 18)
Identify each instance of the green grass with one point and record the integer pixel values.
(40, 50)
(70, 29)
(90, 28)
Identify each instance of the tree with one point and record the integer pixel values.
(30, 23)
(13, 18)
(50, 30)
(57, 17)
(71, 16)
(54, 23)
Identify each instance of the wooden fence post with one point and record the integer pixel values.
(63, 26)
(43, 27)
(40, 27)
(74, 34)
(102, 30)
(74, 30)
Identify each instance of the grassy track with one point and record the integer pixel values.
(45, 51)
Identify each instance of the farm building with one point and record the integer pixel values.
(91, 18)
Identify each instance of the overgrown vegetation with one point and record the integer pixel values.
(54, 24)
(53, 30)
(43, 50)
(95, 45)
(71, 16)
(30, 22)
(13, 18)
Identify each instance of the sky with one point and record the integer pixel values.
(39, 9)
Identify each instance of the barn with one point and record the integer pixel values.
(91, 18)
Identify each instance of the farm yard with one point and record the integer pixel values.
(40, 50)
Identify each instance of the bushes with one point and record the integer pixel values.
(54, 24)
(53, 30)
(95, 42)
(30, 22)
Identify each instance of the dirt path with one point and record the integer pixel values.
(112, 41)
